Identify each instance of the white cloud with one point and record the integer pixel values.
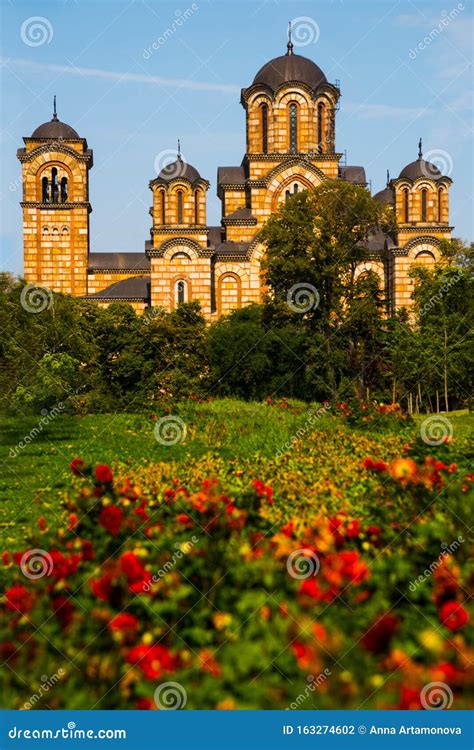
(382, 111)
(129, 77)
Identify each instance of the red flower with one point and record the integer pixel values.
(310, 587)
(111, 519)
(409, 698)
(18, 599)
(73, 521)
(184, 519)
(103, 474)
(263, 490)
(123, 622)
(144, 704)
(453, 615)
(378, 637)
(132, 566)
(152, 660)
(352, 529)
(77, 466)
(87, 550)
(5, 558)
(287, 529)
(42, 523)
(371, 465)
(102, 587)
(63, 610)
(63, 566)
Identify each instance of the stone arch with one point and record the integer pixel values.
(175, 244)
(279, 178)
(229, 292)
(422, 244)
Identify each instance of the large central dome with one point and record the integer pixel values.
(290, 67)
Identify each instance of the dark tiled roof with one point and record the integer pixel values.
(377, 241)
(230, 176)
(420, 168)
(352, 174)
(290, 68)
(129, 289)
(386, 195)
(233, 249)
(55, 129)
(214, 236)
(179, 168)
(241, 214)
(119, 261)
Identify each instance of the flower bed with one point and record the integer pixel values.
(218, 593)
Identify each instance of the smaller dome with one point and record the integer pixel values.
(420, 168)
(179, 168)
(385, 196)
(55, 129)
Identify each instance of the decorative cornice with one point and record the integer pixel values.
(179, 230)
(306, 155)
(229, 222)
(223, 257)
(55, 206)
(50, 146)
(157, 181)
(138, 271)
(425, 228)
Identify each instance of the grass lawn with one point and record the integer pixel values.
(226, 432)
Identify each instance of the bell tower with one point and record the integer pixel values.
(55, 174)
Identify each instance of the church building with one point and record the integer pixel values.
(290, 117)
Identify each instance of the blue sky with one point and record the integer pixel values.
(132, 104)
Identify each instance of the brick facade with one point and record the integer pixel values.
(290, 133)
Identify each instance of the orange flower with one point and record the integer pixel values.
(404, 470)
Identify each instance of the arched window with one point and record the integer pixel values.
(229, 293)
(45, 190)
(440, 205)
(264, 119)
(180, 206)
(196, 206)
(163, 209)
(63, 189)
(406, 213)
(320, 127)
(295, 187)
(54, 185)
(287, 194)
(293, 116)
(45, 230)
(424, 194)
(180, 292)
